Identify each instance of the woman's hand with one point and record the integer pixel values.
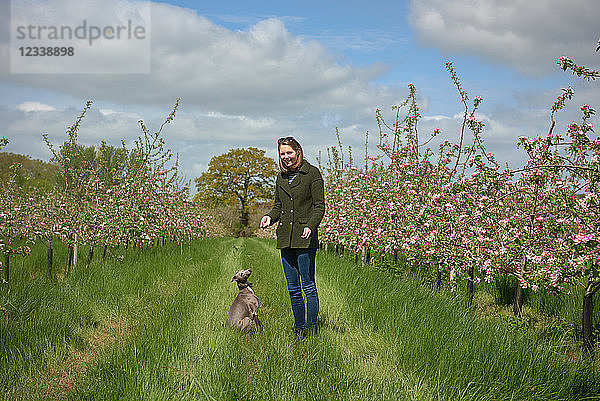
(265, 221)
(306, 233)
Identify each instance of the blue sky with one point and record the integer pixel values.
(250, 72)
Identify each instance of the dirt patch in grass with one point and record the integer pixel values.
(63, 379)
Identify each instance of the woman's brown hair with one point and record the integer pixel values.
(290, 141)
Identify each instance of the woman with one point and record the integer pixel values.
(299, 208)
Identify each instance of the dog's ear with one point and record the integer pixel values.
(233, 279)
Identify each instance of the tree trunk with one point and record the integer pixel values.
(104, 252)
(69, 260)
(518, 302)
(519, 291)
(438, 276)
(244, 218)
(6, 267)
(588, 322)
(50, 257)
(90, 256)
(368, 256)
(395, 256)
(470, 287)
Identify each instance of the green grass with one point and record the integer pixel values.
(557, 316)
(152, 327)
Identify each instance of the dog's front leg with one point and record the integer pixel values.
(257, 322)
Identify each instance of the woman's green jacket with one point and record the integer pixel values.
(298, 204)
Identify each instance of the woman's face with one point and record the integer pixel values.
(287, 155)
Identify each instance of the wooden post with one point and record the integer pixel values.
(75, 251)
(519, 291)
(452, 279)
(587, 324)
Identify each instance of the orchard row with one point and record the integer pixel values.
(460, 211)
(105, 196)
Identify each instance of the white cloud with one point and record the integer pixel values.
(527, 35)
(114, 114)
(248, 88)
(437, 118)
(245, 121)
(237, 89)
(264, 69)
(34, 106)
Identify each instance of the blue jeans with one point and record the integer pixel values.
(299, 269)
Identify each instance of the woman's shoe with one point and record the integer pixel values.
(300, 333)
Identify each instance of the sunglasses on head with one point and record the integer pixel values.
(287, 138)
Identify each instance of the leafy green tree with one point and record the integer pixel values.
(240, 177)
(112, 163)
(32, 173)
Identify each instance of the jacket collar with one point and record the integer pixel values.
(286, 186)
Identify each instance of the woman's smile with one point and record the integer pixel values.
(288, 155)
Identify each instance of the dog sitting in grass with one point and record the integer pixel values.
(243, 313)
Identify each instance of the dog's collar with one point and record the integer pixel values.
(246, 285)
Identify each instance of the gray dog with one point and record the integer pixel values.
(244, 309)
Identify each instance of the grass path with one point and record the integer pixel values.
(380, 338)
